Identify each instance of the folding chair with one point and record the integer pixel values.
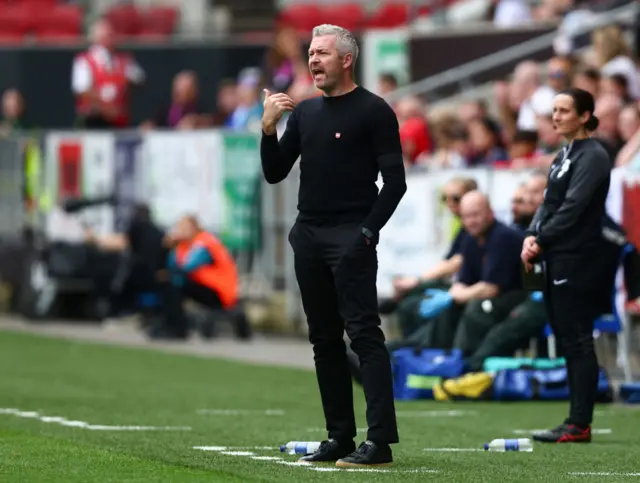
(614, 323)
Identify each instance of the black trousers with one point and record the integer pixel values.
(569, 302)
(337, 272)
(173, 297)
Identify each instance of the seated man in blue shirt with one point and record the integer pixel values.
(489, 284)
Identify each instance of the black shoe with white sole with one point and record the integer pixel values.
(329, 451)
(368, 454)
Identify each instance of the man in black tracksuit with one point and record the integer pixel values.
(345, 138)
(566, 234)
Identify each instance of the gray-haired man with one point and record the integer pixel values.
(345, 139)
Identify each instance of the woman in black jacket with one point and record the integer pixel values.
(566, 235)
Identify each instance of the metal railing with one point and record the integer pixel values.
(461, 74)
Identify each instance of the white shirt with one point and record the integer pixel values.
(511, 13)
(81, 78)
(539, 104)
(624, 66)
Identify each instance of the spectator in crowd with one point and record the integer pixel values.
(227, 102)
(512, 13)
(472, 110)
(521, 208)
(12, 112)
(185, 112)
(387, 83)
(487, 288)
(452, 147)
(201, 269)
(523, 148)
(101, 81)
(558, 77)
(612, 55)
(588, 79)
(284, 61)
(147, 252)
(247, 116)
(409, 290)
(486, 142)
(615, 85)
(629, 121)
(511, 97)
(608, 107)
(527, 320)
(415, 134)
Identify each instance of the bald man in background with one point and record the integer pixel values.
(489, 284)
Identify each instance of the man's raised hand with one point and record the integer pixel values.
(275, 105)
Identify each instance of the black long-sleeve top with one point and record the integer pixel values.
(570, 218)
(344, 142)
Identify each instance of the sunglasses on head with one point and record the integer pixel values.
(453, 198)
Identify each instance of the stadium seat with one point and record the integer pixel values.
(160, 21)
(301, 17)
(605, 324)
(348, 15)
(125, 19)
(16, 20)
(55, 36)
(389, 15)
(8, 38)
(62, 21)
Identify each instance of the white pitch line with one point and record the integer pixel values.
(434, 414)
(602, 473)
(534, 431)
(233, 448)
(453, 450)
(266, 458)
(238, 453)
(83, 424)
(293, 463)
(242, 412)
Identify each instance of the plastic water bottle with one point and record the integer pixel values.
(502, 445)
(300, 447)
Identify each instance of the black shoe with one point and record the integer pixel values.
(565, 433)
(329, 451)
(367, 454)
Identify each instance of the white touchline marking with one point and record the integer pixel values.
(603, 473)
(241, 412)
(534, 431)
(453, 450)
(224, 448)
(293, 463)
(84, 425)
(235, 451)
(433, 414)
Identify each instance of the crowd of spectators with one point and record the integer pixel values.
(514, 127)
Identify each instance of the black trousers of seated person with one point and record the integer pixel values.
(337, 273)
(572, 305)
(175, 318)
(464, 326)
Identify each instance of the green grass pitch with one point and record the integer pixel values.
(225, 404)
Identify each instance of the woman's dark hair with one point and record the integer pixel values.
(494, 128)
(583, 102)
